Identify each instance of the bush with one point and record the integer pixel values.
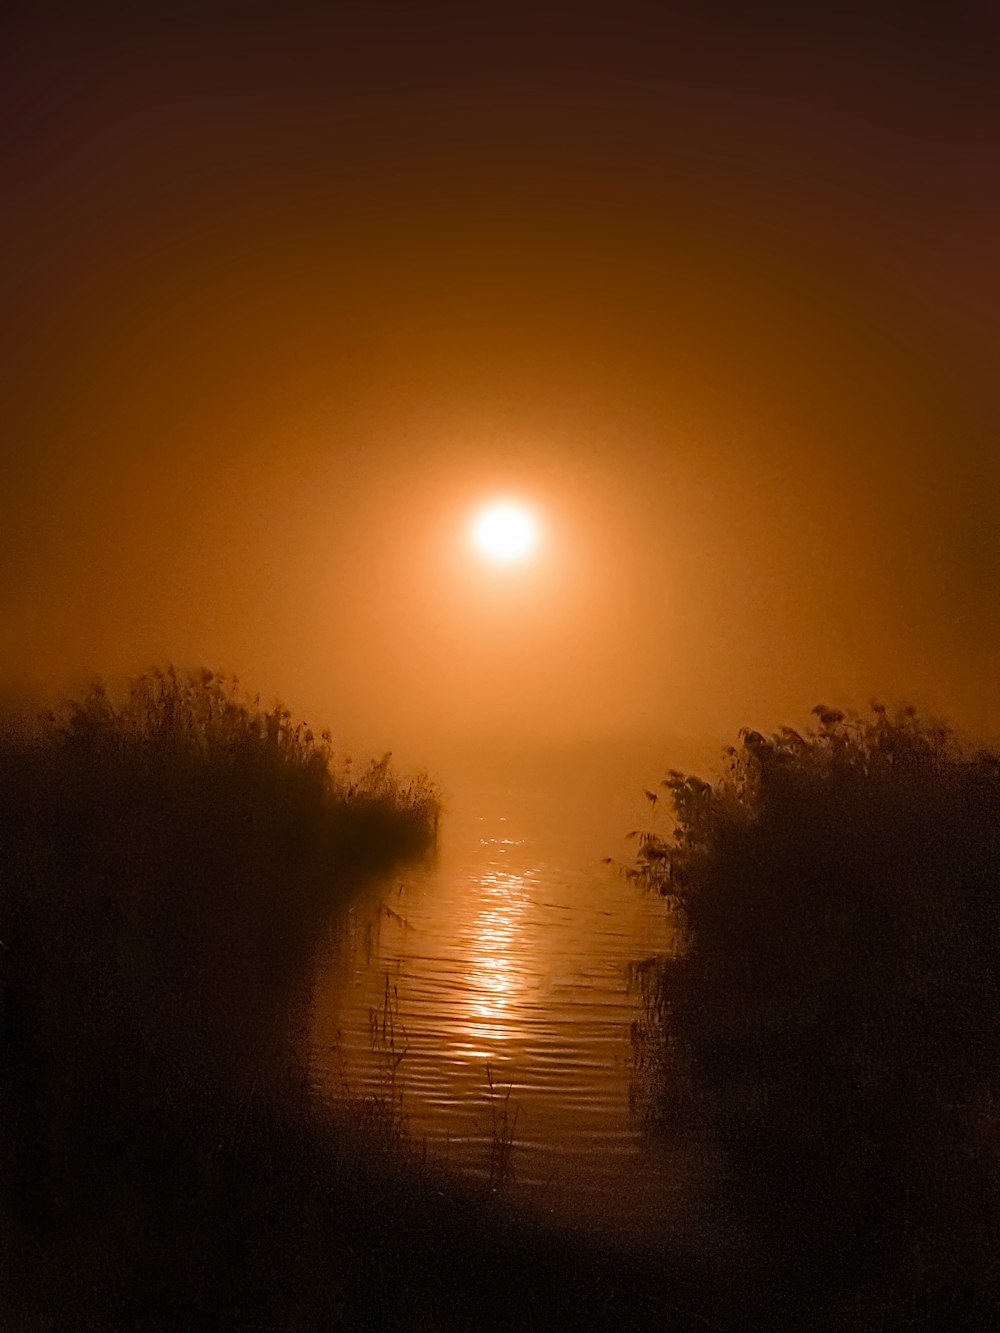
(167, 865)
(832, 1019)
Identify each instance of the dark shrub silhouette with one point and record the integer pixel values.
(832, 1019)
(167, 866)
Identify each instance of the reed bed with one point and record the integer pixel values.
(168, 862)
(830, 1025)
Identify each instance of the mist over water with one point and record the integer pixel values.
(507, 957)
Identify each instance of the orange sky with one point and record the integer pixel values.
(287, 291)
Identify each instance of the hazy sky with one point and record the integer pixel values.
(288, 290)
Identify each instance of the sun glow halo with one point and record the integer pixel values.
(504, 532)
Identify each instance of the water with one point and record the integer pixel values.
(507, 959)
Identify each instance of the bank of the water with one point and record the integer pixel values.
(298, 1222)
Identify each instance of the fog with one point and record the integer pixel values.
(288, 299)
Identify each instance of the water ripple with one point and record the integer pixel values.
(512, 952)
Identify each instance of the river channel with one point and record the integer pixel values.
(499, 972)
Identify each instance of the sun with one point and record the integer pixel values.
(504, 531)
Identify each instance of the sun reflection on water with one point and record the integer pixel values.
(496, 972)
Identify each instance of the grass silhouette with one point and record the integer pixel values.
(831, 1022)
(503, 1127)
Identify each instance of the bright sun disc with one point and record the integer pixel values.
(504, 532)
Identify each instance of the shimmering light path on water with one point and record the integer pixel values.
(507, 959)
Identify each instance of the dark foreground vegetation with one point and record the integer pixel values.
(827, 1035)
(168, 866)
(830, 1024)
